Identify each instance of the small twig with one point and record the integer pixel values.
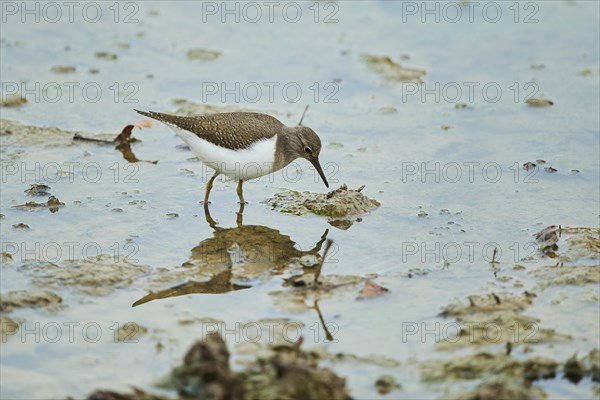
(296, 345)
(303, 114)
(77, 136)
(328, 244)
(328, 334)
(494, 256)
(496, 298)
(471, 302)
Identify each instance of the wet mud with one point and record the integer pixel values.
(287, 373)
(392, 71)
(342, 207)
(502, 374)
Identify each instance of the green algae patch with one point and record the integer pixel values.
(539, 103)
(29, 134)
(8, 328)
(560, 274)
(6, 257)
(478, 365)
(576, 252)
(582, 243)
(386, 384)
(496, 319)
(136, 394)
(339, 206)
(130, 332)
(38, 189)
(98, 276)
(392, 71)
(29, 299)
(501, 375)
(203, 54)
(52, 204)
(12, 132)
(60, 69)
(105, 55)
(13, 101)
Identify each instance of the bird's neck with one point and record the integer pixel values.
(284, 153)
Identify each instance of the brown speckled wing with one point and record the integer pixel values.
(236, 130)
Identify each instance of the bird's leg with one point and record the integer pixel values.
(209, 186)
(328, 244)
(209, 219)
(240, 215)
(328, 334)
(240, 193)
(317, 247)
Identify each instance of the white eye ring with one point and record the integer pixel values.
(307, 149)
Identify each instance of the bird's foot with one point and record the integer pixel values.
(242, 202)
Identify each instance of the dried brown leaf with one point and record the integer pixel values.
(371, 289)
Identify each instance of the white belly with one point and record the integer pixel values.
(238, 165)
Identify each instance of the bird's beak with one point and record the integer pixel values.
(317, 166)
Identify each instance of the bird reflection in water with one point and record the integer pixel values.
(234, 257)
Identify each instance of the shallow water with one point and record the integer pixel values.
(406, 160)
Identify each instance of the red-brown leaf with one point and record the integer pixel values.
(371, 289)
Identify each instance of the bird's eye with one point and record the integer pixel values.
(307, 149)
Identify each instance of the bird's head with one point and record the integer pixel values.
(307, 144)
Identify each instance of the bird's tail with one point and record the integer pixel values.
(150, 114)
